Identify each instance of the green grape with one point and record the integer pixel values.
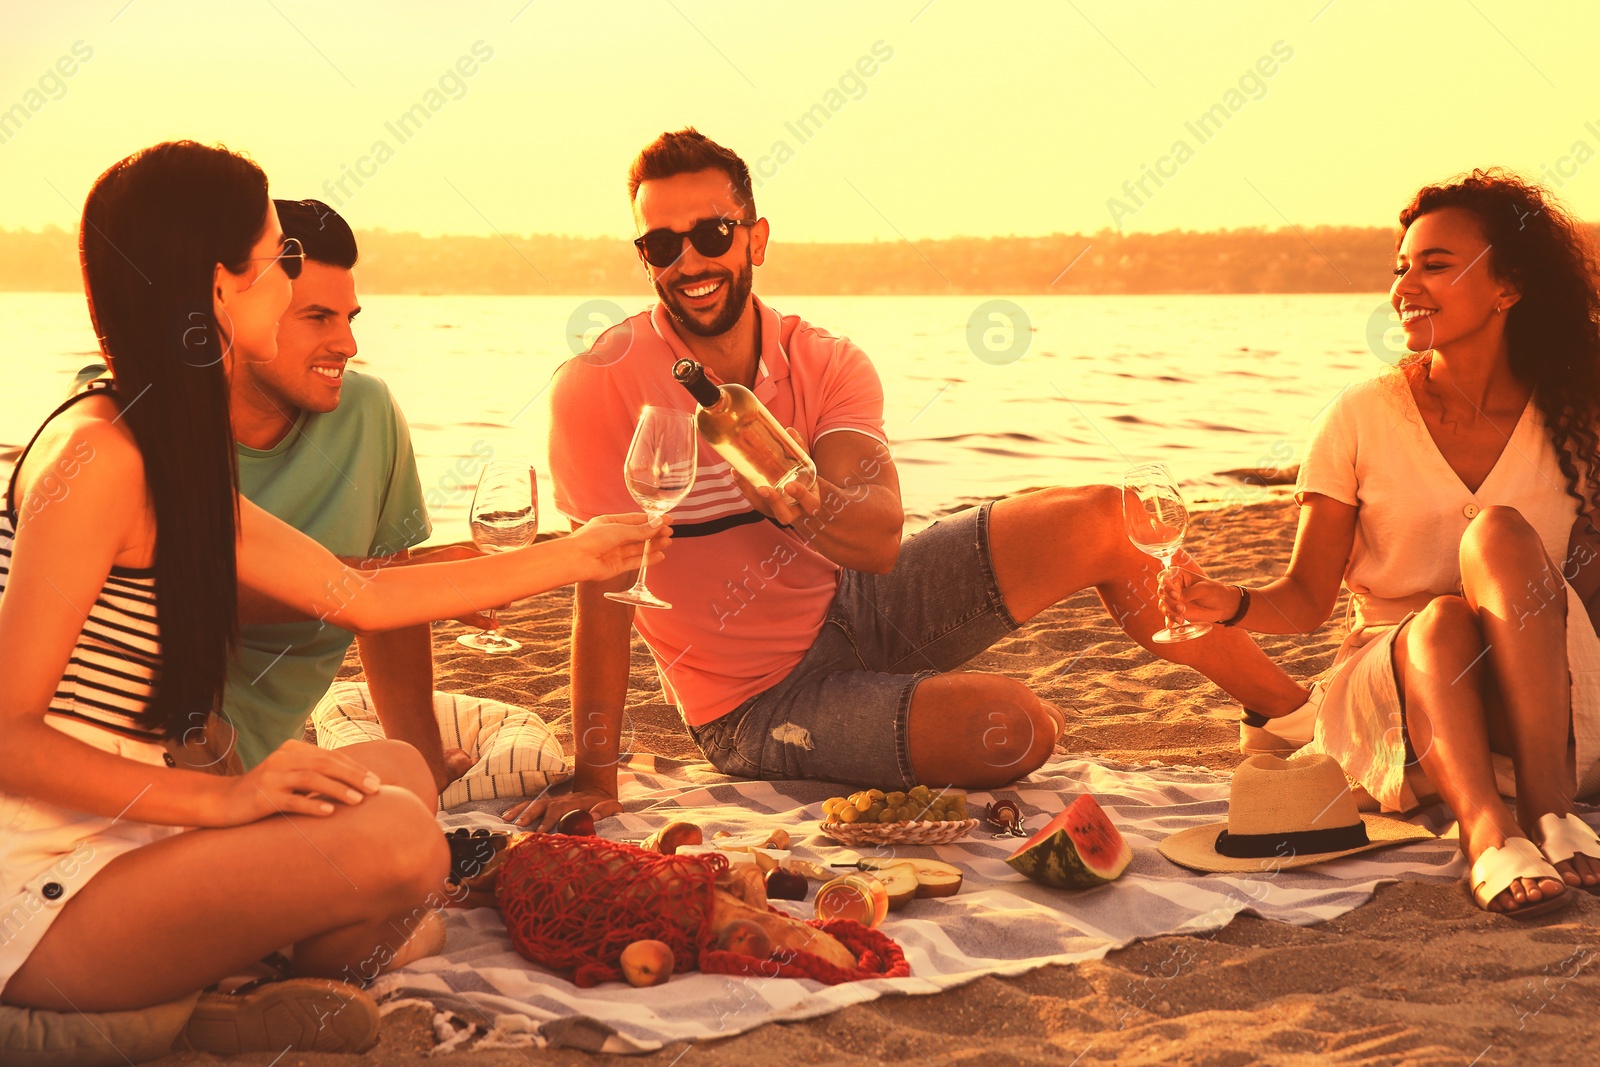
(887, 815)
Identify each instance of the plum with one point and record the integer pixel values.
(576, 823)
(786, 885)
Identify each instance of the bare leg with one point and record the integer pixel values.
(1520, 602)
(1439, 666)
(397, 763)
(1049, 544)
(977, 731)
(175, 916)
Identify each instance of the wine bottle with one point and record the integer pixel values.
(744, 432)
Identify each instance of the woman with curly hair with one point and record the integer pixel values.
(1455, 497)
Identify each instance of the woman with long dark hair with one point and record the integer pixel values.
(122, 542)
(1455, 498)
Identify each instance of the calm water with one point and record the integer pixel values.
(1204, 383)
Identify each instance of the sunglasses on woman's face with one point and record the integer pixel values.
(292, 258)
(710, 237)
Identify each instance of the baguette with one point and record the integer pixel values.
(786, 933)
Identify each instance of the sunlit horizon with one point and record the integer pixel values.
(911, 120)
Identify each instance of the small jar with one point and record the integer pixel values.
(860, 897)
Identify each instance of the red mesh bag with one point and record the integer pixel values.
(877, 956)
(574, 903)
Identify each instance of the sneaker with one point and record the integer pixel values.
(1284, 735)
(302, 1014)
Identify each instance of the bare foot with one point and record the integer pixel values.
(1581, 871)
(427, 939)
(1524, 892)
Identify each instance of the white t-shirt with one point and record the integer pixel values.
(1370, 448)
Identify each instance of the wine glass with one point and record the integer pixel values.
(1156, 517)
(659, 471)
(504, 515)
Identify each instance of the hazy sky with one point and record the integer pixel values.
(928, 119)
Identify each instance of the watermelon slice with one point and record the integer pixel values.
(1078, 850)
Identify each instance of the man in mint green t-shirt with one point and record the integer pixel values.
(326, 449)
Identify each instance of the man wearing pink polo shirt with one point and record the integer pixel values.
(805, 641)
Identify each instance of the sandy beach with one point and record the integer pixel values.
(1417, 976)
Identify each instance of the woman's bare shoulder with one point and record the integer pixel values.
(89, 443)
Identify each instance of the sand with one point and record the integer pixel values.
(1417, 976)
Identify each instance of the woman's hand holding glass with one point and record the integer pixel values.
(1156, 518)
(1186, 594)
(609, 545)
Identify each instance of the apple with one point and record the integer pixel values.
(786, 885)
(647, 963)
(576, 823)
(746, 938)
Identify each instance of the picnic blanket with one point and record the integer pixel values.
(484, 995)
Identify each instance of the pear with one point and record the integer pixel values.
(935, 878)
(900, 880)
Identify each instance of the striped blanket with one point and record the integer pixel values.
(485, 995)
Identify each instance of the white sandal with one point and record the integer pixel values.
(1285, 735)
(1497, 868)
(1567, 836)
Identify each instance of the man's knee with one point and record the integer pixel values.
(1009, 731)
(1081, 503)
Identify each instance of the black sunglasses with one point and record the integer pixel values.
(292, 257)
(710, 237)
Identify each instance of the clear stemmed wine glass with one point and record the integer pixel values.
(1156, 517)
(659, 471)
(504, 515)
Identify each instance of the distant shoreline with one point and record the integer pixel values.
(1326, 259)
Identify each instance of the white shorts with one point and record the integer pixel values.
(49, 853)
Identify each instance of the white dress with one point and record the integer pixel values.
(1371, 449)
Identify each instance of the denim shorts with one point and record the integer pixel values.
(841, 715)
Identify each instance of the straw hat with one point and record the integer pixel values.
(1287, 813)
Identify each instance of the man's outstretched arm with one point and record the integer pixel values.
(601, 637)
